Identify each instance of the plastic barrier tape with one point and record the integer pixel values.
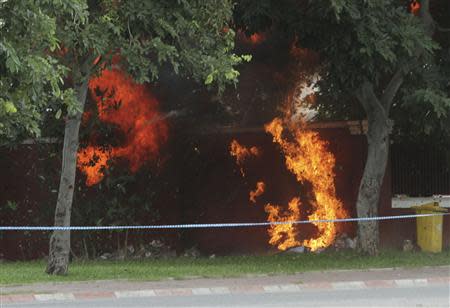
(209, 225)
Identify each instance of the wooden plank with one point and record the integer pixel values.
(408, 202)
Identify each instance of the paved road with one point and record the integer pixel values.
(430, 296)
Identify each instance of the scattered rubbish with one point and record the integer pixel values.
(298, 249)
(408, 246)
(192, 252)
(343, 241)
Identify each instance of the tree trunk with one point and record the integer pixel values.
(370, 187)
(379, 128)
(58, 259)
(377, 111)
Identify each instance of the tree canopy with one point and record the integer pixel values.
(46, 44)
(31, 75)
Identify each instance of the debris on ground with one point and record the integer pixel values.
(192, 252)
(298, 249)
(154, 249)
(408, 246)
(343, 241)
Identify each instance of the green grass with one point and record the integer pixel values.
(231, 266)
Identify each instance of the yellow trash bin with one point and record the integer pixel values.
(429, 229)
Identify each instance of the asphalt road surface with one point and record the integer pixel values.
(429, 296)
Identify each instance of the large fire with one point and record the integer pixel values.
(134, 110)
(308, 158)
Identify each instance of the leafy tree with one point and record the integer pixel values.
(190, 36)
(370, 48)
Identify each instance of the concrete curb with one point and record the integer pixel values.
(248, 289)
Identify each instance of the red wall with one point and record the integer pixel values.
(210, 189)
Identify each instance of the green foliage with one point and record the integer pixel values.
(364, 40)
(47, 47)
(285, 16)
(31, 77)
(370, 40)
(193, 37)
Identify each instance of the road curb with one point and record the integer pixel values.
(246, 289)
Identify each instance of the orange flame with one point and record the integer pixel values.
(92, 160)
(415, 7)
(134, 110)
(259, 190)
(254, 39)
(257, 38)
(308, 158)
(284, 236)
(242, 153)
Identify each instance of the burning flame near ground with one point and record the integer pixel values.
(242, 153)
(308, 158)
(284, 236)
(134, 110)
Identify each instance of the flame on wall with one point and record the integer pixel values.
(307, 157)
(134, 110)
(284, 236)
(259, 190)
(242, 153)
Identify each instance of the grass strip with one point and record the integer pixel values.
(22, 272)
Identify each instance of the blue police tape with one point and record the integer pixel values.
(211, 225)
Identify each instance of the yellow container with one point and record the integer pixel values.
(429, 229)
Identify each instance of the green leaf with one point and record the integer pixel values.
(9, 107)
(246, 58)
(58, 114)
(209, 79)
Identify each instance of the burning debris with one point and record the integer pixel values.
(134, 110)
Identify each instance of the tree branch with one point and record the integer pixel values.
(366, 96)
(425, 15)
(392, 88)
(442, 29)
(397, 80)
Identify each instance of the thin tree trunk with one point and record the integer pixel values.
(379, 128)
(58, 259)
(370, 187)
(377, 111)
